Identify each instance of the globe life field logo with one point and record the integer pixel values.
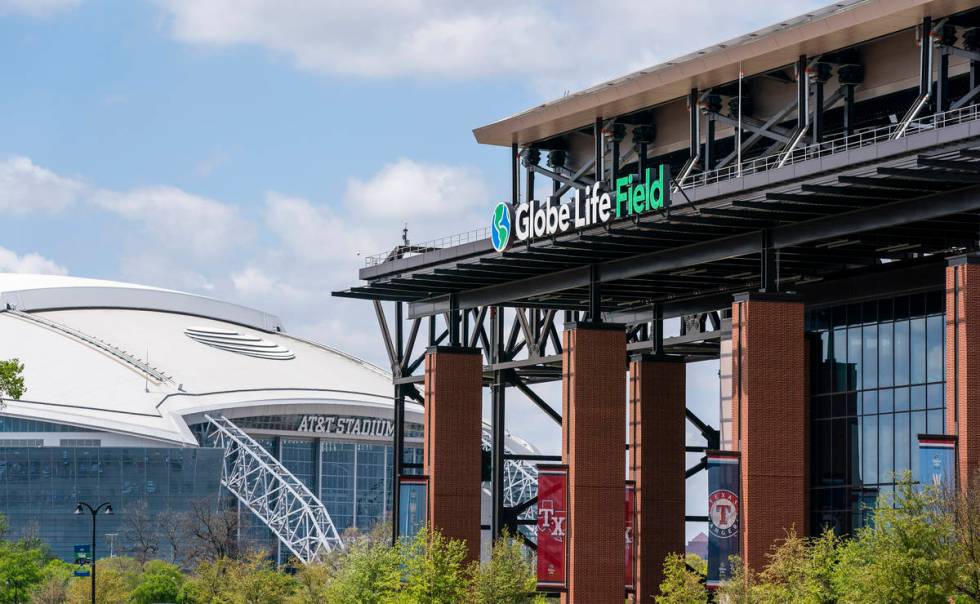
(590, 208)
(500, 227)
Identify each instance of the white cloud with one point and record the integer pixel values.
(35, 8)
(557, 46)
(27, 188)
(408, 190)
(196, 226)
(11, 262)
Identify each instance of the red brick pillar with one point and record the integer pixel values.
(593, 446)
(963, 363)
(657, 438)
(770, 409)
(453, 424)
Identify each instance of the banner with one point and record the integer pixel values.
(83, 557)
(937, 459)
(552, 524)
(412, 504)
(630, 541)
(723, 514)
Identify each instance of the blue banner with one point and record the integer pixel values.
(412, 504)
(937, 460)
(723, 514)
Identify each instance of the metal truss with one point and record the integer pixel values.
(520, 486)
(279, 499)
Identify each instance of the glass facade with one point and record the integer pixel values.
(876, 382)
(39, 488)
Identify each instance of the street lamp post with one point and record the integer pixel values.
(94, 511)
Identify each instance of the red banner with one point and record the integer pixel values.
(630, 542)
(552, 527)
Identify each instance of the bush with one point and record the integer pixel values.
(435, 571)
(681, 584)
(509, 577)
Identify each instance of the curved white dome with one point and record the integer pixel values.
(145, 361)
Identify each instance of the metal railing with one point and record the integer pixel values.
(279, 499)
(840, 144)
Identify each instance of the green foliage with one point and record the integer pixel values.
(160, 582)
(252, 580)
(435, 569)
(369, 573)
(21, 568)
(110, 586)
(681, 585)
(509, 577)
(11, 380)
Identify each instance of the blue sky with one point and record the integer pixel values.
(250, 149)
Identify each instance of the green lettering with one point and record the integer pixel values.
(620, 195)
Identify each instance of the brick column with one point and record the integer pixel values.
(963, 363)
(453, 424)
(593, 443)
(769, 401)
(657, 438)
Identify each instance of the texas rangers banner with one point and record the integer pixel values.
(936, 459)
(552, 524)
(412, 503)
(723, 514)
(630, 541)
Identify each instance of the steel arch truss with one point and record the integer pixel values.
(279, 499)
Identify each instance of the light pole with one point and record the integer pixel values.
(94, 511)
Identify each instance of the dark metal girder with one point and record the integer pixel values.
(813, 199)
(719, 223)
(930, 175)
(796, 208)
(750, 213)
(949, 164)
(849, 192)
(891, 184)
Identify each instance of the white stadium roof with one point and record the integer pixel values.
(146, 361)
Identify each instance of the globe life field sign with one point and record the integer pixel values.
(537, 220)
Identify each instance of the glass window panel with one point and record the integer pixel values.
(840, 360)
(901, 353)
(850, 404)
(917, 397)
(854, 357)
(901, 308)
(886, 448)
(886, 401)
(870, 402)
(917, 341)
(869, 432)
(886, 355)
(869, 370)
(825, 371)
(853, 314)
(937, 421)
(934, 348)
(886, 310)
(839, 402)
(901, 399)
(903, 444)
(917, 305)
(918, 427)
(934, 396)
(823, 463)
(821, 406)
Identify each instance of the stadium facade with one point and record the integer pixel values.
(803, 201)
(157, 401)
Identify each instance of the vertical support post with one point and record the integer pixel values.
(498, 395)
(695, 115)
(925, 59)
(398, 454)
(818, 83)
(657, 397)
(963, 364)
(849, 110)
(595, 295)
(515, 174)
(768, 270)
(942, 87)
(709, 144)
(770, 416)
(658, 329)
(617, 135)
(597, 129)
(453, 321)
(593, 439)
(971, 42)
(802, 94)
(452, 435)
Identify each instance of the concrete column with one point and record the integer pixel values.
(453, 424)
(657, 395)
(963, 363)
(770, 410)
(593, 443)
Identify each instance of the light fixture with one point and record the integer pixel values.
(78, 509)
(108, 510)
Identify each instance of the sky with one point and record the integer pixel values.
(257, 150)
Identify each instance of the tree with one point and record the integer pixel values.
(435, 569)
(20, 571)
(141, 532)
(908, 554)
(507, 578)
(160, 582)
(110, 587)
(172, 535)
(11, 380)
(249, 581)
(53, 588)
(681, 584)
(212, 532)
(368, 572)
(313, 584)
